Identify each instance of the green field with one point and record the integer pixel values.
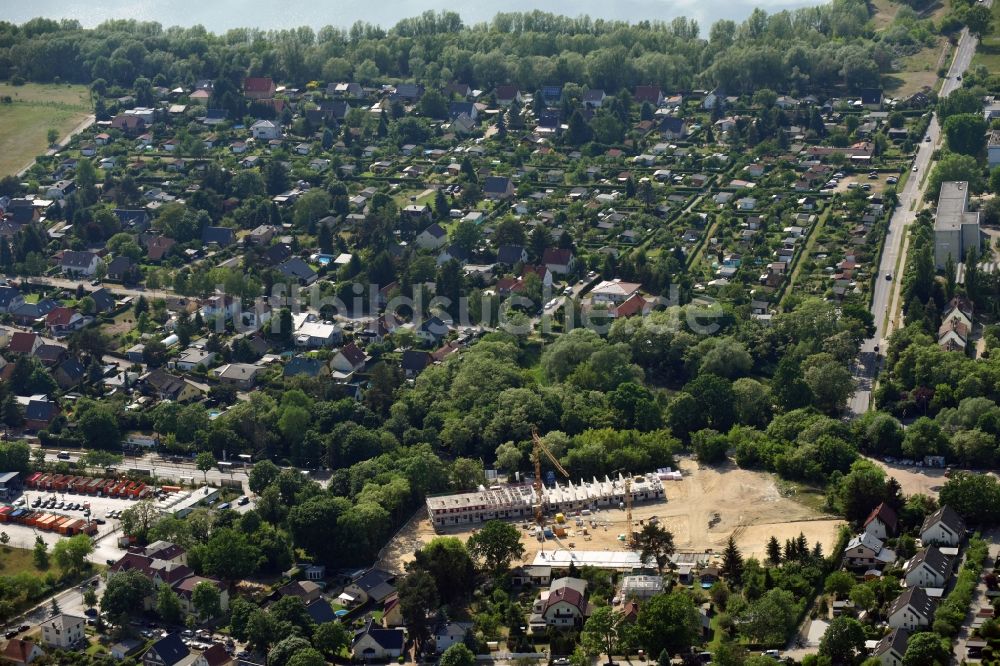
(988, 51)
(34, 109)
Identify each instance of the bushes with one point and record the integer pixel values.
(953, 609)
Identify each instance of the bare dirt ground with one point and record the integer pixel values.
(748, 503)
(924, 480)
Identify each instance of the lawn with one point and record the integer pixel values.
(919, 70)
(988, 51)
(34, 109)
(14, 561)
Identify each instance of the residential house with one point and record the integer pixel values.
(169, 387)
(221, 236)
(39, 411)
(374, 585)
(265, 130)
(892, 648)
(594, 98)
(297, 269)
(69, 373)
(867, 551)
(871, 98)
(168, 651)
(185, 590)
(104, 301)
(193, 357)
(414, 361)
(956, 326)
(61, 189)
(305, 590)
(911, 610)
(121, 269)
(559, 261)
(507, 95)
(928, 568)
(215, 656)
(24, 343)
(432, 238)
(317, 334)
(132, 220)
(241, 375)
(511, 254)
(563, 605)
(63, 631)
(19, 652)
(432, 330)
(10, 298)
(673, 128)
(306, 366)
(258, 87)
(651, 94)
(944, 527)
(347, 361)
(79, 263)
(498, 187)
(882, 522)
(447, 634)
(374, 643)
(614, 291)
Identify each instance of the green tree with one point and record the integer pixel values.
(204, 461)
(656, 543)
(285, 649)
(262, 474)
(168, 605)
(40, 554)
(927, 649)
(600, 632)
(732, 561)
(331, 638)
(966, 133)
(843, 641)
(495, 545)
(124, 594)
(71, 554)
(206, 600)
(448, 562)
(418, 601)
(953, 166)
(458, 655)
(669, 622)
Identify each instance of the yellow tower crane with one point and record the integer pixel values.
(538, 448)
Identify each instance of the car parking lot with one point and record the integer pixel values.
(103, 510)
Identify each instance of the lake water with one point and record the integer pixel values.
(220, 15)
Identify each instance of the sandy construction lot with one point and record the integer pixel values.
(925, 480)
(748, 504)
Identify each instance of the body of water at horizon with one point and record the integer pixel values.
(221, 15)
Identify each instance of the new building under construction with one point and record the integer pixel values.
(517, 502)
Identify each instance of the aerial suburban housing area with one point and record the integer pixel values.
(539, 340)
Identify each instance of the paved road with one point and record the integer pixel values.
(887, 292)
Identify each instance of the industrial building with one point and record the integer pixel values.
(517, 502)
(956, 229)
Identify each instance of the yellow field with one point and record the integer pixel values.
(25, 122)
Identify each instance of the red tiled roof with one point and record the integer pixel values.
(60, 316)
(258, 84)
(884, 513)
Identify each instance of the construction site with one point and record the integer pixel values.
(702, 509)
